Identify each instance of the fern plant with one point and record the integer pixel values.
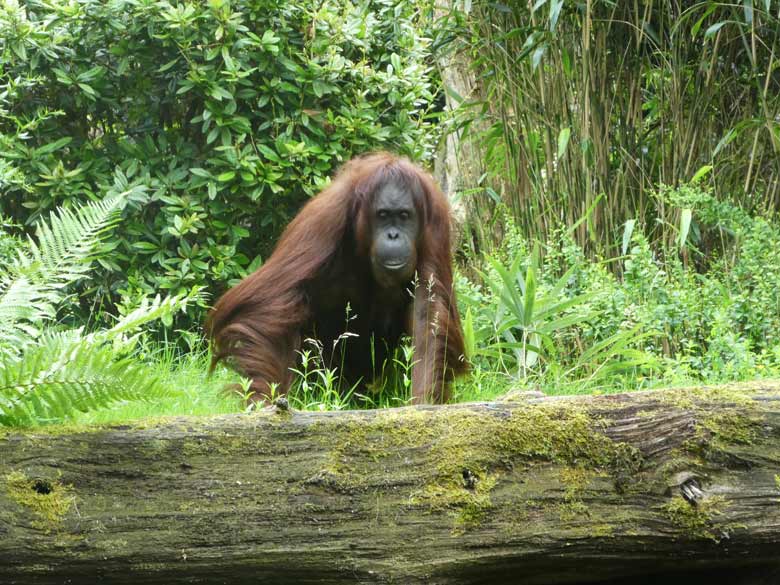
(33, 281)
(47, 375)
(51, 381)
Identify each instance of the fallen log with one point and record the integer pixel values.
(623, 488)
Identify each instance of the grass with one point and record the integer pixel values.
(188, 390)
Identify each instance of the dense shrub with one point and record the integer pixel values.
(217, 119)
(691, 315)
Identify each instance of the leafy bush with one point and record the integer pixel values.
(533, 325)
(215, 120)
(704, 308)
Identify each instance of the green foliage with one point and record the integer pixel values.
(537, 328)
(744, 252)
(522, 310)
(215, 119)
(46, 373)
(35, 275)
(52, 380)
(318, 385)
(708, 311)
(579, 100)
(194, 131)
(182, 387)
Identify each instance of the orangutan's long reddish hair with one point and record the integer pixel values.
(259, 323)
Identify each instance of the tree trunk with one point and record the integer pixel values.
(459, 164)
(624, 488)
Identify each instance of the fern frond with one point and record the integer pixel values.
(32, 284)
(63, 252)
(53, 381)
(152, 310)
(127, 330)
(21, 304)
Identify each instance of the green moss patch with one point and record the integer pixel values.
(574, 480)
(696, 521)
(734, 427)
(466, 453)
(48, 500)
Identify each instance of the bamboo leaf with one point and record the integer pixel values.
(702, 172)
(587, 213)
(711, 31)
(628, 231)
(725, 141)
(529, 298)
(536, 58)
(698, 24)
(563, 141)
(555, 12)
(685, 225)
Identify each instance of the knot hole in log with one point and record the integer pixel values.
(469, 479)
(42, 487)
(691, 491)
(689, 487)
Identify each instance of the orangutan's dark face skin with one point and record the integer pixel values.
(396, 227)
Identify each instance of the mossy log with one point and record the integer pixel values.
(624, 488)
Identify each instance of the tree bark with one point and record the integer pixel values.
(459, 164)
(624, 488)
